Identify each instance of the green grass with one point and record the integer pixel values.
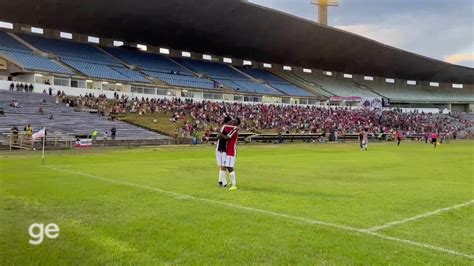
(111, 209)
(162, 123)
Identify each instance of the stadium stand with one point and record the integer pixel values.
(316, 89)
(200, 116)
(147, 61)
(276, 82)
(182, 80)
(419, 93)
(227, 76)
(336, 86)
(86, 59)
(161, 67)
(24, 57)
(66, 120)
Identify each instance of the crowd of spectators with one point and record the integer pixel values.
(205, 116)
(23, 87)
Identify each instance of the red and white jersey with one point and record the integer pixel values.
(222, 143)
(232, 142)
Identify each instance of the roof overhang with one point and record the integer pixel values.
(232, 28)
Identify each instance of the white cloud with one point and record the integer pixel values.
(433, 28)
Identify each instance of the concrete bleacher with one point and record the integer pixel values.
(66, 121)
(419, 93)
(276, 82)
(337, 86)
(162, 68)
(147, 61)
(24, 56)
(227, 76)
(85, 58)
(182, 80)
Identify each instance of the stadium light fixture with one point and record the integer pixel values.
(347, 76)
(287, 68)
(458, 86)
(164, 51)
(227, 60)
(37, 30)
(247, 63)
(92, 39)
(65, 35)
(185, 54)
(369, 78)
(6, 25)
(142, 47)
(307, 70)
(411, 82)
(323, 9)
(207, 57)
(434, 84)
(389, 80)
(266, 65)
(118, 43)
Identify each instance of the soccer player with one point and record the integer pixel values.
(361, 137)
(434, 139)
(399, 137)
(221, 150)
(231, 152)
(365, 139)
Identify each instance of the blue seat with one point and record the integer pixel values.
(23, 56)
(276, 82)
(182, 80)
(86, 59)
(148, 61)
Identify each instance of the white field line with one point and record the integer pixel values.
(420, 216)
(270, 213)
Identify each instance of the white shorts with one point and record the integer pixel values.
(220, 157)
(224, 160)
(229, 161)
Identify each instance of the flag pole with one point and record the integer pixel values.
(44, 141)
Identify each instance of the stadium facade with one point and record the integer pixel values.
(220, 50)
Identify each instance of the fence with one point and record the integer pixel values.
(25, 142)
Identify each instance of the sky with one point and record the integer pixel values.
(441, 29)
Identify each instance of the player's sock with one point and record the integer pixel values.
(222, 178)
(232, 178)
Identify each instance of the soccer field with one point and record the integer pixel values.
(296, 203)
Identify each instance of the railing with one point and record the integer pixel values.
(25, 142)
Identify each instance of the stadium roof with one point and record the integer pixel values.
(232, 28)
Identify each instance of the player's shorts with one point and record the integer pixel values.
(220, 157)
(433, 141)
(229, 161)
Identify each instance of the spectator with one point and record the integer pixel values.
(15, 131)
(28, 130)
(113, 132)
(94, 135)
